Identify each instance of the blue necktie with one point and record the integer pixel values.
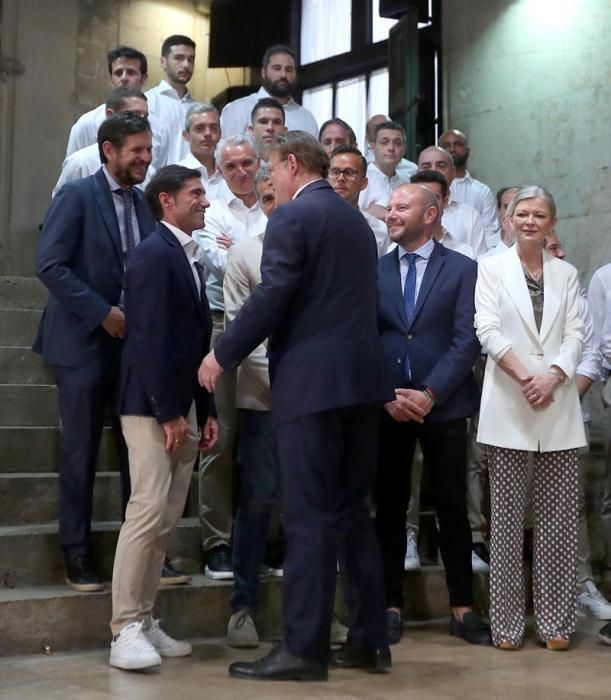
(409, 299)
(409, 290)
(128, 207)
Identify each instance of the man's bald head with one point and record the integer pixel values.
(412, 213)
(372, 124)
(438, 159)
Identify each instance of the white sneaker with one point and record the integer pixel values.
(339, 632)
(412, 558)
(131, 650)
(163, 643)
(592, 602)
(478, 565)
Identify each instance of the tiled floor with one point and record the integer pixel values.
(428, 664)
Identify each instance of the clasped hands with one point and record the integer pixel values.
(539, 389)
(409, 405)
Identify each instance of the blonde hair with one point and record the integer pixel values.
(532, 192)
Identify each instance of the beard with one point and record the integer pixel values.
(460, 161)
(279, 88)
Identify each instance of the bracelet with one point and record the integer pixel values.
(427, 392)
(560, 376)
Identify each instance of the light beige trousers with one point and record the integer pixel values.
(160, 483)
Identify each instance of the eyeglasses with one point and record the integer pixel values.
(348, 173)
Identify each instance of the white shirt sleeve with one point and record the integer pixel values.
(599, 301)
(591, 357)
(490, 217)
(235, 117)
(83, 133)
(71, 170)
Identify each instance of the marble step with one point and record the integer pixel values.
(22, 366)
(18, 326)
(22, 293)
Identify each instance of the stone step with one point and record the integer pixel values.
(28, 405)
(22, 366)
(31, 498)
(52, 616)
(18, 326)
(30, 555)
(22, 293)
(36, 449)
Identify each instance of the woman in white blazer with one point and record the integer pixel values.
(528, 322)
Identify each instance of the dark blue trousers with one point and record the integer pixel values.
(328, 463)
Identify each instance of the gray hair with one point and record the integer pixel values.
(198, 108)
(263, 175)
(439, 149)
(237, 140)
(532, 192)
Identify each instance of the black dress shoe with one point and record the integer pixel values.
(82, 576)
(394, 626)
(372, 660)
(472, 629)
(171, 576)
(218, 563)
(280, 665)
(482, 551)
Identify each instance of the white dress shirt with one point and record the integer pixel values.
(599, 301)
(166, 105)
(450, 242)
(380, 232)
(500, 247)
(424, 253)
(380, 186)
(235, 117)
(190, 248)
(466, 225)
(86, 162)
(117, 200)
(229, 216)
(591, 357)
(85, 132)
(214, 184)
(478, 195)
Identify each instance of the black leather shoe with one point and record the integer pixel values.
(279, 665)
(394, 626)
(372, 660)
(482, 551)
(171, 576)
(82, 576)
(472, 629)
(218, 563)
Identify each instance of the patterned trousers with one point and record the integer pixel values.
(555, 507)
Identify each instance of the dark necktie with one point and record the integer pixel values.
(199, 268)
(128, 208)
(409, 290)
(409, 299)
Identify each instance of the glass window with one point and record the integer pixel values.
(319, 101)
(351, 105)
(325, 29)
(377, 97)
(380, 25)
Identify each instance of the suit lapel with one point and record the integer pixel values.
(433, 268)
(103, 199)
(552, 295)
(145, 225)
(515, 284)
(183, 263)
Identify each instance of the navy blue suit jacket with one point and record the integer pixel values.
(167, 333)
(441, 339)
(80, 261)
(317, 304)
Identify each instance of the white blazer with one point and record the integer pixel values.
(505, 320)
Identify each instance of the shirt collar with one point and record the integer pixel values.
(112, 183)
(425, 251)
(190, 246)
(466, 178)
(316, 179)
(166, 89)
(291, 104)
(373, 164)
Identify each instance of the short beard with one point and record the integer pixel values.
(276, 91)
(460, 161)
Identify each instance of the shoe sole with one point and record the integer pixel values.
(557, 644)
(174, 654)
(85, 587)
(582, 611)
(134, 666)
(175, 580)
(311, 678)
(219, 575)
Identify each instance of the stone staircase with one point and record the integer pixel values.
(37, 609)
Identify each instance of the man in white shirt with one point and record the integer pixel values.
(170, 99)
(202, 133)
(348, 177)
(465, 188)
(267, 120)
(279, 78)
(127, 67)
(336, 132)
(86, 161)
(503, 198)
(461, 219)
(382, 174)
(405, 167)
(235, 216)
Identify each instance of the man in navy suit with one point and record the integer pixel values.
(317, 304)
(90, 230)
(165, 415)
(425, 320)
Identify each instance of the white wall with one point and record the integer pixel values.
(529, 81)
